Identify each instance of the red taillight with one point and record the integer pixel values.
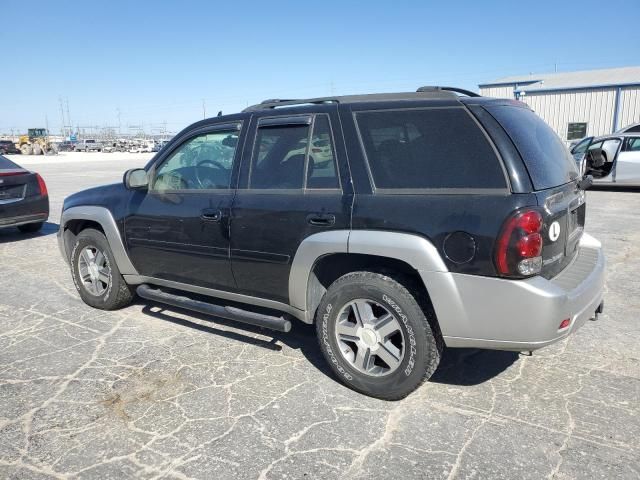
(530, 245)
(519, 245)
(564, 323)
(42, 186)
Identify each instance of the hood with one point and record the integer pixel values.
(104, 195)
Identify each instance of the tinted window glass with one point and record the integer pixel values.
(633, 145)
(6, 163)
(547, 158)
(201, 163)
(321, 169)
(430, 148)
(634, 129)
(279, 157)
(581, 147)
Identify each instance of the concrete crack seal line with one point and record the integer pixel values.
(570, 427)
(393, 421)
(456, 466)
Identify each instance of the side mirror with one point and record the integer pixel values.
(136, 179)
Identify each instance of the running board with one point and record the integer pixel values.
(280, 324)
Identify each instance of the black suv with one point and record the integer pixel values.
(397, 223)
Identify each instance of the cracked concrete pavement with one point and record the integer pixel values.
(156, 393)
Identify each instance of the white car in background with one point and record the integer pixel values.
(611, 159)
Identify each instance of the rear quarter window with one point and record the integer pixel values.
(6, 163)
(433, 148)
(547, 158)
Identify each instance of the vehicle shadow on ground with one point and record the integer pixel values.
(12, 234)
(457, 367)
(609, 188)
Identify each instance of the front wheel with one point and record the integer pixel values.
(95, 273)
(375, 336)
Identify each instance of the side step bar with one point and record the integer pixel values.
(280, 324)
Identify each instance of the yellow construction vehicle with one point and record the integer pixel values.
(36, 142)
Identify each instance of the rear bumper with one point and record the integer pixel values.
(22, 211)
(485, 312)
(23, 220)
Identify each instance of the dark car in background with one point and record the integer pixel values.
(66, 146)
(8, 147)
(24, 201)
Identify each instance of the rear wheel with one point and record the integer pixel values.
(375, 336)
(95, 273)
(31, 227)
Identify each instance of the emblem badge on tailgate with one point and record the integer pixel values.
(554, 231)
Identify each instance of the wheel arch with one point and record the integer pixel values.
(76, 219)
(324, 257)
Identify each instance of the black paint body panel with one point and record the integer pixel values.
(251, 248)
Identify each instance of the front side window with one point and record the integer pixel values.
(203, 162)
(581, 147)
(428, 148)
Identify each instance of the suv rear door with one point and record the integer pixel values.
(294, 183)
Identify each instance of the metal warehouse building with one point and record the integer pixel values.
(577, 104)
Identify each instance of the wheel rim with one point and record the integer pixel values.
(95, 271)
(370, 337)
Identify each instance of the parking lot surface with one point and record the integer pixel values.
(158, 393)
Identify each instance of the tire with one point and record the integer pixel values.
(103, 286)
(31, 227)
(416, 345)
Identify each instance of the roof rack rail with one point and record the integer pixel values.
(277, 102)
(428, 88)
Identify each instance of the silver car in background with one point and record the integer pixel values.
(611, 159)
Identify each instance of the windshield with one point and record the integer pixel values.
(547, 158)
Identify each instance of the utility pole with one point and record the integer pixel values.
(69, 117)
(118, 112)
(62, 126)
(204, 109)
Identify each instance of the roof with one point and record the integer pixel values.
(423, 93)
(609, 77)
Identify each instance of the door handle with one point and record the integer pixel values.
(211, 215)
(321, 219)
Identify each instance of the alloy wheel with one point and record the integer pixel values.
(94, 270)
(370, 337)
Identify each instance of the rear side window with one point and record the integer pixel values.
(279, 157)
(427, 149)
(547, 158)
(6, 163)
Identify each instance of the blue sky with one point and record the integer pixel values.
(155, 62)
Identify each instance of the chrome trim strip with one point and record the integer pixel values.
(210, 292)
(102, 216)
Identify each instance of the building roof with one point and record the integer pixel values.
(608, 77)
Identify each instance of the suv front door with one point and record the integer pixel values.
(178, 230)
(294, 183)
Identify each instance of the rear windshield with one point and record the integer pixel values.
(5, 163)
(428, 149)
(547, 158)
